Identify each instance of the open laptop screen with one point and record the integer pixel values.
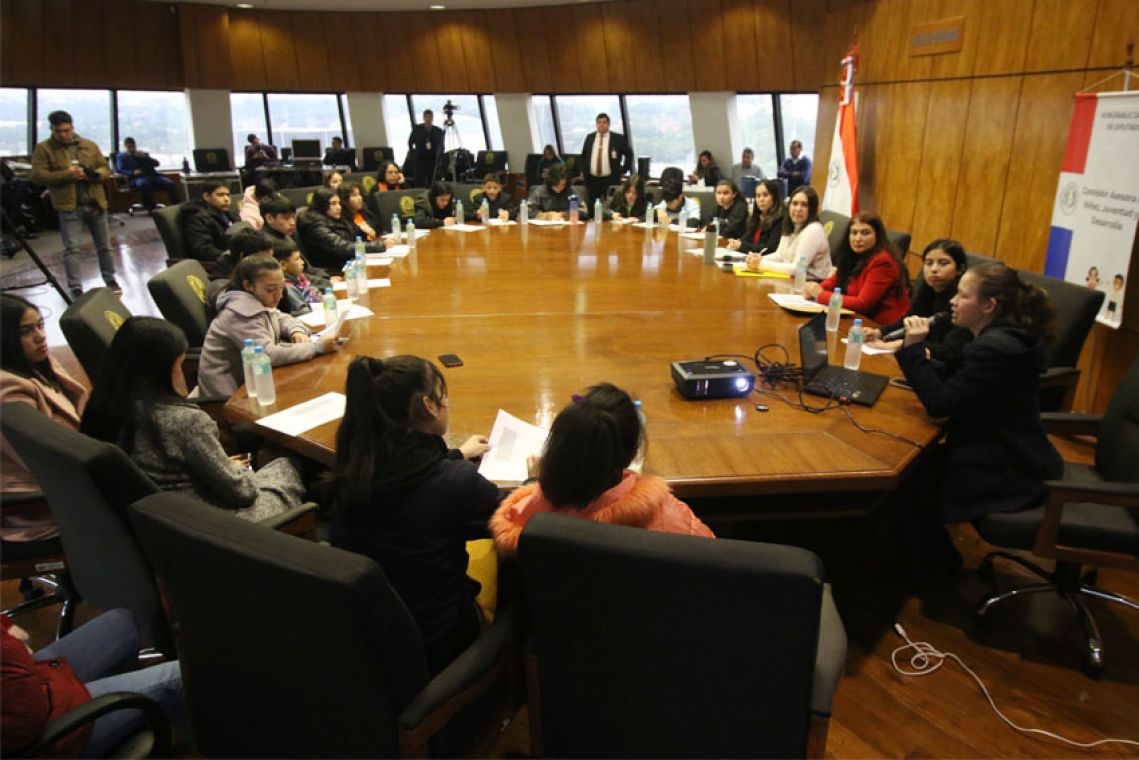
(813, 346)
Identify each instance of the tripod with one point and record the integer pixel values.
(49, 278)
(451, 137)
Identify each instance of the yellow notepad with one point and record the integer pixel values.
(742, 271)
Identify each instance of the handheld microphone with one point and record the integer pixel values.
(900, 333)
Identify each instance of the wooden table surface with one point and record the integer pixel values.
(539, 313)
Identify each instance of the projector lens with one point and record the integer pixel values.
(741, 384)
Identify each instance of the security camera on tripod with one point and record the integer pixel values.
(454, 161)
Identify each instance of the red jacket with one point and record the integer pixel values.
(35, 693)
(876, 291)
(639, 501)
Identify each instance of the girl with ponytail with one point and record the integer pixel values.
(996, 456)
(407, 501)
(584, 472)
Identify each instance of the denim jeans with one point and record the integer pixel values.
(71, 225)
(147, 184)
(99, 652)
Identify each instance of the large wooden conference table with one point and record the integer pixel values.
(539, 313)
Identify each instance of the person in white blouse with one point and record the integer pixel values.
(803, 235)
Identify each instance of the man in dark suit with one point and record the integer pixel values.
(606, 156)
(426, 145)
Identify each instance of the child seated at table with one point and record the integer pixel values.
(248, 309)
(299, 292)
(499, 204)
(584, 472)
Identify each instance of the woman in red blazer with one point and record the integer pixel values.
(869, 271)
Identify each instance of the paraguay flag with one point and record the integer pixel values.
(841, 193)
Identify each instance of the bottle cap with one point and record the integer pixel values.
(838, 291)
(858, 323)
(259, 350)
(328, 291)
(249, 341)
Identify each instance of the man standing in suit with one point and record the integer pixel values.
(606, 156)
(426, 144)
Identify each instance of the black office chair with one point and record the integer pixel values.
(901, 241)
(834, 225)
(643, 164)
(180, 294)
(399, 202)
(657, 645)
(490, 162)
(209, 160)
(1091, 517)
(249, 600)
(533, 169)
(166, 220)
(151, 740)
(89, 324)
(1076, 309)
(573, 166)
(376, 155)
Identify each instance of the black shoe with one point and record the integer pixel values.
(76, 292)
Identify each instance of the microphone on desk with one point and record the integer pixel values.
(900, 333)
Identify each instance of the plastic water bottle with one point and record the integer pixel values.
(247, 358)
(524, 212)
(185, 165)
(573, 212)
(484, 211)
(350, 280)
(597, 215)
(800, 279)
(329, 307)
(834, 311)
(853, 346)
(361, 267)
(395, 224)
(682, 220)
(639, 460)
(459, 218)
(411, 234)
(263, 378)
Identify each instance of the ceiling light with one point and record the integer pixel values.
(245, 6)
(437, 7)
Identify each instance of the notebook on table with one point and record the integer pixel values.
(823, 379)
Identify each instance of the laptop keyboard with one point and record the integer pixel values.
(837, 381)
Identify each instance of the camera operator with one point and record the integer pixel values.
(73, 168)
(426, 145)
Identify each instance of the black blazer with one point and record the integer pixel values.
(498, 204)
(997, 455)
(620, 155)
(203, 229)
(945, 341)
(768, 239)
(733, 221)
(420, 136)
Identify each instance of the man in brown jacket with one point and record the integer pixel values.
(73, 168)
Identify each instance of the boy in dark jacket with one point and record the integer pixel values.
(204, 222)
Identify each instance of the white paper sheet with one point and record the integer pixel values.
(393, 251)
(494, 222)
(306, 416)
(692, 235)
(874, 351)
(511, 441)
(380, 259)
(549, 222)
(658, 225)
(418, 234)
(695, 251)
(466, 227)
(345, 307)
(795, 301)
(379, 282)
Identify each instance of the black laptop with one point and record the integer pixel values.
(822, 379)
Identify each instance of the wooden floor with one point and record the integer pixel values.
(1028, 651)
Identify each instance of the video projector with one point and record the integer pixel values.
(712, 379)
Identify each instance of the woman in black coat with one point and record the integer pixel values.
(731, 210)
(765, 225)
(327, 237)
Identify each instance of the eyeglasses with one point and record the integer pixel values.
(32, 329)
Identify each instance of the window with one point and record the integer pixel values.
(468, 130)
(397, 122)
(301, 117)
(349, 137)
(90, 112)
(13, 121)
(756, 114)
(248, 115)
(490, 108)
(544, 114)
(159, 123)
(661, 126)
(577, 115)
(800, 113)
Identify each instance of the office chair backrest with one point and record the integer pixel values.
(376, 155)
(212, 160)
(180, 293)
(643, 164)
(1119, 431)
(299, 195)
(166, 220)
(488, 161)
(573, 165)
(88, 485)
(533, 169)
(89, 324)
(834, 225)
(652, 644)
(977, 259)
(901, 241)
(288, 648)
(466, 192)
(401, 202)
(1076, 308)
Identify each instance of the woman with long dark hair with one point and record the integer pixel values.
(356, 213)
(706, 170)
(765, 225)
(326, 234)
(869, 270)
(439, 208)
(629, 202)
(139, 405)
(406, 500)
(803, 237)
(29, 375)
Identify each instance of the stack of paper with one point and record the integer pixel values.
(380, 259)
(549, 222)
(466, 227)
(311, 414)
(500, 222)
(393, 251)
(512, 441)
(344, 310)
(379, 282)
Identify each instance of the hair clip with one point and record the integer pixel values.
(579, 399)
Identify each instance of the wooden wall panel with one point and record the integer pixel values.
(622, 45)
(775, 51)
(1116, 22)
(536, 58)
(423, 48)
(650, 52)
(449, 40)
(1040, 134)
(87, 44)
(204, 30)
(315, 69)
(921, 66)
(1061, 35)
(337, 32)
(985, 153)
(593, 59)
(880, 41)
(960, 64)
(278, 50)
(1003, 37)
(560, 26)
(477, 58)
(507, 52)
(739, 20)
(708, 53)
(393, 68)
(897, 185)
(249, 71)
(936, 191)
(678, 44)
(156, 49)
(808, 45)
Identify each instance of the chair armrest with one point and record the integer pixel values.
(1099, 492)
(467, 677)
(1054, 377)
(76, 718)
(1062, 493)
(830, 656)
(1070, 423)
(299, 521)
